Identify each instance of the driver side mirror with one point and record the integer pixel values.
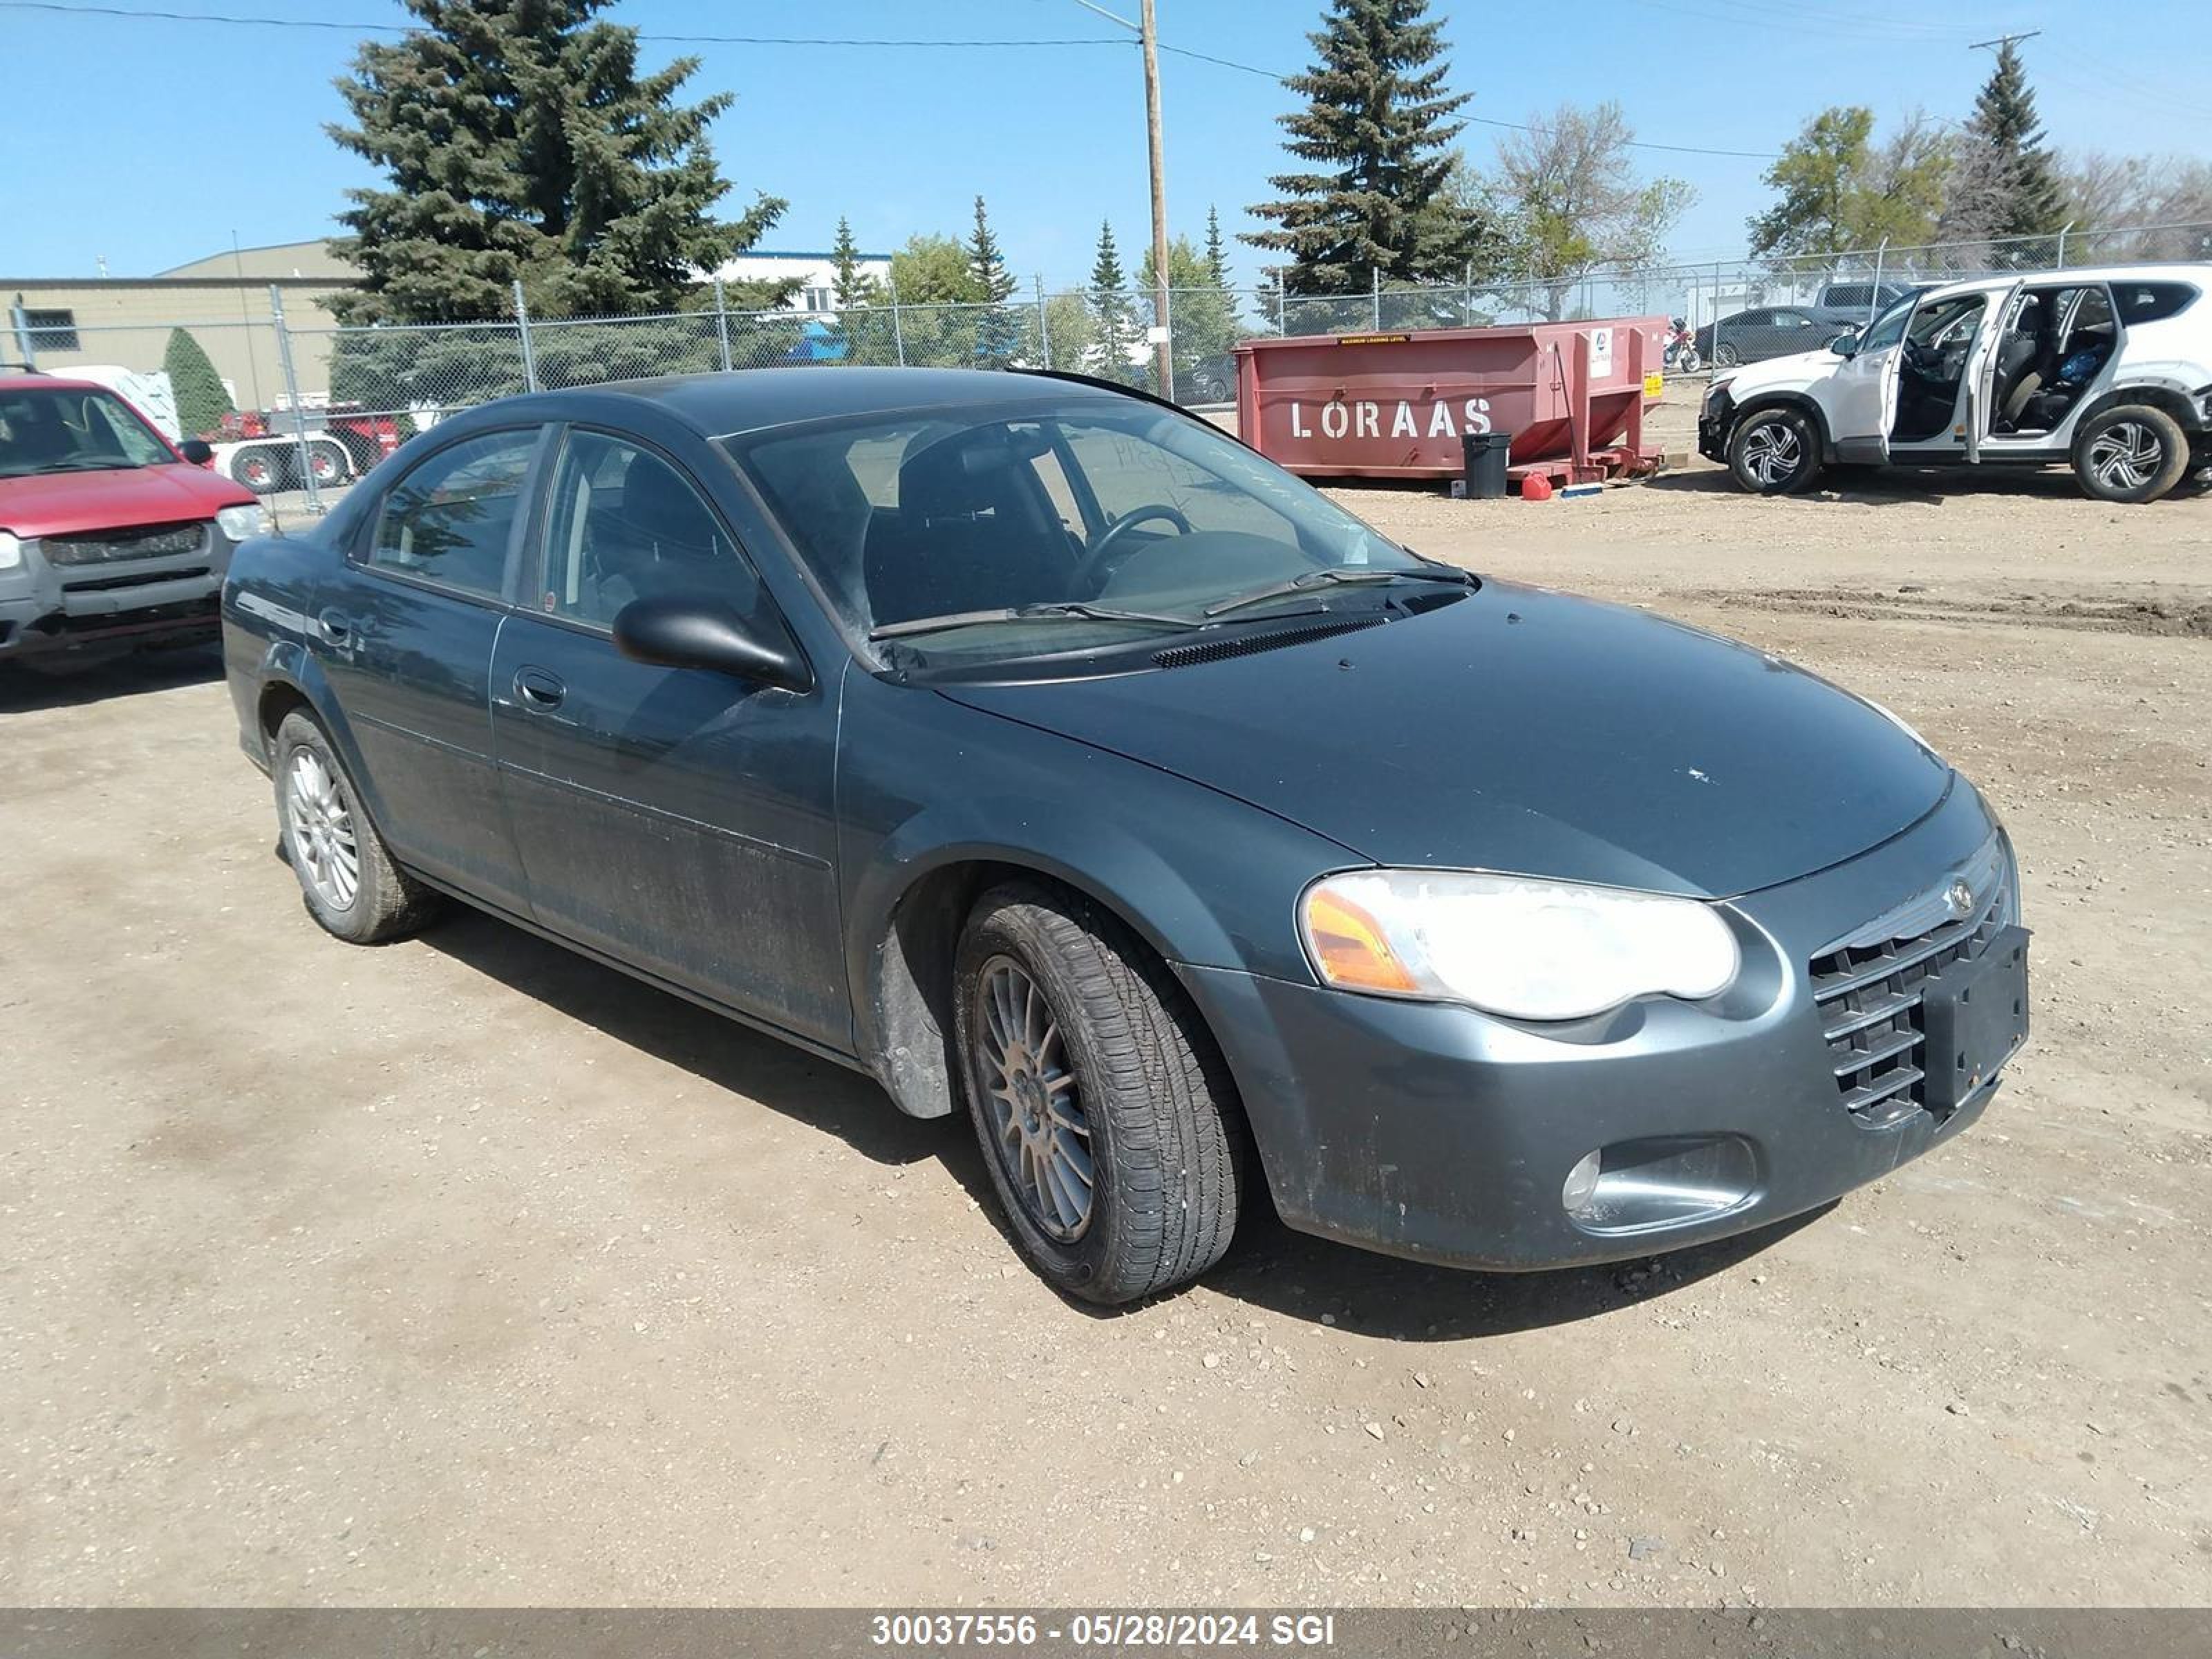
(701, 632)
(197, 450)
(1845, 344)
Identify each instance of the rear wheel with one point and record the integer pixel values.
(351, 885)
(327, 462)
(2132, 454)
(1774, 452)
(1728, 356)
(261, 471)
(1107, 1124)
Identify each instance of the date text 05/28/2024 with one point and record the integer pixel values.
(1102, 1629)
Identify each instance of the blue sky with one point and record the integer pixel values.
(150, 141)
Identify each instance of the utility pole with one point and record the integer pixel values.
(1147, 29)
(1163, 348)
(2003, 40)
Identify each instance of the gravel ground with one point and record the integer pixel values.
(463, 1270)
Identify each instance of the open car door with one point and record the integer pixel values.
(1862, 393)
(1982, 367)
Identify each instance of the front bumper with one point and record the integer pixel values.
(1442, 1134)
(1715, 416)
(44, 606)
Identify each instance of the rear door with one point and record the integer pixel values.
(405, 637)
(677, 819)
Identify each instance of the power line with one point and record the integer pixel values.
(327, 24)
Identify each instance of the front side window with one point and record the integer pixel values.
(449, 521)
(1886, 329)
(624, 525)
(1093, 505)
(73, 430)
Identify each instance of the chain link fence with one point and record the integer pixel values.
(298, 403)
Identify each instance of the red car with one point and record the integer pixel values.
(108, 532)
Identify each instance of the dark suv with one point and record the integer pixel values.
(108, 533)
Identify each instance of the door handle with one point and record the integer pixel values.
(336, 629)
(538, 688)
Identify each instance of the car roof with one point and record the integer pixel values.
(35, 380)
(2200, 275)
(756, 399)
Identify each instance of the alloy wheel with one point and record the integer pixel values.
(2126, 455)
(1772, 453)
(322, 834)
(1039, 1132)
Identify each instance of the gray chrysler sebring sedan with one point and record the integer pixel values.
(1041, 750)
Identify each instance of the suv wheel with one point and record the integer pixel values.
(1108, 1125)
(2132, 454)
(346, 874)
(1774, 452)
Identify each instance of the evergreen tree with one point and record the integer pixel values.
(850, 286)
(202, 400)
(518, 140)
(1118, 333)
(1376, 126)
(1217, 256)
(2006, 183)
(998, 330)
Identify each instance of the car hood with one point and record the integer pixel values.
(64, 503)
(1523, 731)
(1799, 369)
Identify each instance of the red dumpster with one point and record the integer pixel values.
(1395, 405)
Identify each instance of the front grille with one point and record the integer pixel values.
(152, 541)
(1869, 994)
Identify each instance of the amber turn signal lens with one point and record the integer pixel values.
(1349, 946)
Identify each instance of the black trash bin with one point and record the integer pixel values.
(1486, 453)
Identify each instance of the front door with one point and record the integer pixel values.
(679, 820)
(406, 639)
(1861, 391)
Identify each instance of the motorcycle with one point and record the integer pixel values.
(1681, 351)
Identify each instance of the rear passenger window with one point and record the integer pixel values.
(2150, 302)
(449, 521)
(624, 525)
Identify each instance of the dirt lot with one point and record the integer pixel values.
(462, 1271)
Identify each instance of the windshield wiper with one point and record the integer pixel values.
(1331, 576)
(82, 464)
(1062, 611)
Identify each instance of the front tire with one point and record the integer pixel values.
(1107, 1121)
(1774, 452)
(2132, 453)
(347, 877)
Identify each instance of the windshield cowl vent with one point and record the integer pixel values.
(1185, 656)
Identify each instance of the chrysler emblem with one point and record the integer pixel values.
(1959, 899)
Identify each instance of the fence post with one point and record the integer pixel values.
(1044, 321)
(722, 325)
(292, 395)
(522, 333)
(2062, 229)
(1378, 298)
(1873, 293)
(898, 331)
(23, 336)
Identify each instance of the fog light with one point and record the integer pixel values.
(1581, 1185)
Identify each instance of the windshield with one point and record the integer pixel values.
(1097, 521)
(72, 429)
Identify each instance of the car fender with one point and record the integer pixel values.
(2178, 397)
(1788, 397)
(1199, 877)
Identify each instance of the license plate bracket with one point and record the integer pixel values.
(1975, 1014)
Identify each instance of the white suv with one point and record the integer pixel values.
(2108, 371)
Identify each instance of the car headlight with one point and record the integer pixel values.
(1531, 950)
(240, 522)
(1714, 394)
(11, 551)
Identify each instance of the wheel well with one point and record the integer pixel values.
(913, 989)
(2169, 400)
(1793, 402)
(278, 699)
